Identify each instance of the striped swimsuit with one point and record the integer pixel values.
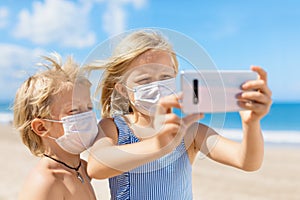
(169, 177)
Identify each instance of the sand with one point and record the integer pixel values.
(278, 178)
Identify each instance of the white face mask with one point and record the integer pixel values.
(147, 96)
(80, 131)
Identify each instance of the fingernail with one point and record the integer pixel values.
(239, 95)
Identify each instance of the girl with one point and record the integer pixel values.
(140, 72)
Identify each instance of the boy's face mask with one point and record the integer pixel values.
(147, 96)
(80, 131)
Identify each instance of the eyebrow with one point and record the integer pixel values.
(139, 76)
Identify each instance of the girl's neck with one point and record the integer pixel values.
(142, 126)
(141, 120)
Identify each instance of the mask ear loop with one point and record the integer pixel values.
(53, 120)
(131, 89)
(53, 138)
(119, 100)
(46, 131)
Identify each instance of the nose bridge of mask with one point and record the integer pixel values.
(167, 87)
(152, 92)
(78, 122)
(72, 118)
(76, 117)
(147, 93)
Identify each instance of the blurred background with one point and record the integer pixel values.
(236, 34)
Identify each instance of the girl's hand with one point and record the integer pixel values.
(256, 97)
(171, 129)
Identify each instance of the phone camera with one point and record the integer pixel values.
(195, 89)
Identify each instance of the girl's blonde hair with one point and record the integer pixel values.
(34, 98)
(116, 66)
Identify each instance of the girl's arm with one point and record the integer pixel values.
(247, 155)
(107, 159)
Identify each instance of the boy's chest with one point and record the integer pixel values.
(75, 189)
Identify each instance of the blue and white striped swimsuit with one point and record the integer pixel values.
(169, 177)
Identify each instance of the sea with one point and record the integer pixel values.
(280, 126)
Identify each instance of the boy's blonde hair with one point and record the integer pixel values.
(116, 66)
(34, 97)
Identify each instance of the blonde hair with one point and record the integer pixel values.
(126, 51)
(34, 97)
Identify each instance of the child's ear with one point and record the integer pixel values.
(38, 126)
(121, 89)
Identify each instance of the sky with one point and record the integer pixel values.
(235, 34)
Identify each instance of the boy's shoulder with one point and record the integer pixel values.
(41, 182)
(43, 173)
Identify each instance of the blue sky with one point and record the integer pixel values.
(236, 34)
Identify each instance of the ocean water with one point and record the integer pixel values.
(282, 117)
(282, 124)
(6, 114)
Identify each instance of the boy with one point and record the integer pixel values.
(53, 112)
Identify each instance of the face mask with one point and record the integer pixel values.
(147, 96)
(80, 131)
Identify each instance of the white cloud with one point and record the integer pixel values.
(4, 14)
(68, 23)
(16, 64)
(56, 21)
(17, 57)
(115, 17)
(138, 4)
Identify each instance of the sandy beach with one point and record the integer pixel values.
(278, 178)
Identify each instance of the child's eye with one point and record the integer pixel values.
(143, 81)
(74, 111)
(166, 76)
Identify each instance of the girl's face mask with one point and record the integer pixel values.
(147, 96)
(80, 131)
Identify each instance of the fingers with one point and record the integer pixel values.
(258, 85)
(262, 91)
(190, 119)
(172, 118)
(166, 103)
(172, 128)
(163, 119)
(254, 96)
(254, 106)
(262, 74)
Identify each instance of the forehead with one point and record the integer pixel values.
(153, 70)
(151, 57)
(152, 62)
(70, 96)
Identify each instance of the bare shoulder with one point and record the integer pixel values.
(42, 184)
(107, 128)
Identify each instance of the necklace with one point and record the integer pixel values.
(73, 168)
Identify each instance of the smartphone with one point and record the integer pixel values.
(212, 91)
